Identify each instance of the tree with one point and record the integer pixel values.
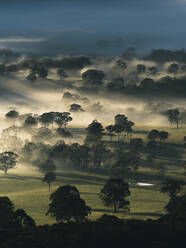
(163, 135)
(136, 144)
(172, 187)
(12, 114)
(64, 132)
(110, 130)
(94, 132)
(21, 218)
(114, 192)
(31, 121)
(173, 68)
(6, 211)
(66, 204)
(141, 68)
(93, 77)
(76, 108)
(153, 135)
(8, 161)
(122, 124)
(49, 177)
(177, 204)
(173, 116)
(47, 118)
(153, 70)
(62, 119)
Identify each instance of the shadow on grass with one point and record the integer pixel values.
(87, 178)
(127, 213)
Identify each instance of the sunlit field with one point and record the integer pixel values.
(25, 188)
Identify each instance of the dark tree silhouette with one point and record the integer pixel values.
(153, 135)
(76, 108)
(49, 177)
(94, 132)
(21, 218)
(93, 77)
(110, 129)
(171, 187)
(12, 114)
(8, 161)
(114, 192)
(173, 68)
(141, 68)
(66, 204)
(173, 116)
(31, 121)
(6, 211)
(163, 135)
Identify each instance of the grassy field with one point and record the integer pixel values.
(32, 195)
(28, 192)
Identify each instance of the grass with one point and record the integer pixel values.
(32, 195)
(28, 192)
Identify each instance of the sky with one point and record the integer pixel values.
(99, 27)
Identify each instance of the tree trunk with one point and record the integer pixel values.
(49, 186)
(177, 124)
(6, 171)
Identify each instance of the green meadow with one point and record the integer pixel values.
(26, 189)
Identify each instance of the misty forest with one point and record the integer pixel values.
(92, 126)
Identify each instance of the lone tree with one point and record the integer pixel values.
(49, 177)
(66, 205)
(12, 114)
(8, 161)
(173, 116)
(114, 192)
(172, 187)
(76, 108)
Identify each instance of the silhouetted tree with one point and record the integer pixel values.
(93, 77)
(76, 108)
(12, 115)
(172, 187)
(173, 116)
(141, 68)
(94, 132)
(173, 68)
(21, 218)
(8, 161)
(49, 177)
(66, 205)
(6, 211)
(163, 135)
(153, 135)
(110, 129)
(114, 192)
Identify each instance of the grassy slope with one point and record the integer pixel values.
(28, 192)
